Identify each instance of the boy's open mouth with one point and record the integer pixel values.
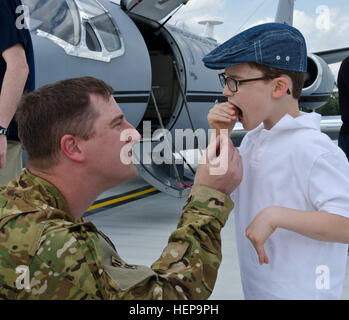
(240, 114)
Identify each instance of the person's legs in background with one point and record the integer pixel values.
(343, 143)
(13, 166)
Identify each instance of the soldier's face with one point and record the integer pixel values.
(109, 150)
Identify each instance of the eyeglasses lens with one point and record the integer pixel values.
(231, 83)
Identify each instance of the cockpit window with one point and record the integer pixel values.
(107, 32)
(91, 39)
(83, 28)
(59, 18)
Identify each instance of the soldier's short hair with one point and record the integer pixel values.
(48, 113)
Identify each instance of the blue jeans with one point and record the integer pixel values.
(343, 143)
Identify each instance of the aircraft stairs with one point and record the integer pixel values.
(172, 174)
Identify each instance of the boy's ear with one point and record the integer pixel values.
(71, 149)
(281, 87)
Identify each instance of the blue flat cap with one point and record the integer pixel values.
(275, 45)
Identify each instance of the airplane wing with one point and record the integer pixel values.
(151, 9)
(333, 56)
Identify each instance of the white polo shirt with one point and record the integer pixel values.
(296, 166)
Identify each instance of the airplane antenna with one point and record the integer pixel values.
(210, 24)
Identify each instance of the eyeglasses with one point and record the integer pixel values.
(233, 84)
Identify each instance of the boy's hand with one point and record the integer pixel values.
(222, 116)
(260, 229)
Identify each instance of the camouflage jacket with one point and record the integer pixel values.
(45, 254)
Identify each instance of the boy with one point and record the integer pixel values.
(293, 202)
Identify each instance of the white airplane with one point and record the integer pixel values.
(155, 68)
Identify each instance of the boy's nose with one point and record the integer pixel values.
(227, 92)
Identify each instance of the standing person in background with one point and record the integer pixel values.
(343, 90)
(16, 76)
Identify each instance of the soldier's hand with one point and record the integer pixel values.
(220, 167)
(3, 149)
(222, 116)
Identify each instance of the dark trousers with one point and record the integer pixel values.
(343, 143)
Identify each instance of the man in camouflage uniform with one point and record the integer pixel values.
(77, 141)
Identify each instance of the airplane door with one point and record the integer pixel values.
(167, 177)
(151, 9)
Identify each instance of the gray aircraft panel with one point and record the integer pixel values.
(53, 64)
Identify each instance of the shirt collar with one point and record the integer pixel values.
(287, 122)
(304, 121)
(50, 194)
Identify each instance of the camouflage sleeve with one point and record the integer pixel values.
(188, 266)
(71, 260)
(66, 265)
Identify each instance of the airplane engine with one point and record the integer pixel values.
(319, 83)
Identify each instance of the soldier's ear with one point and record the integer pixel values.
(71, 149)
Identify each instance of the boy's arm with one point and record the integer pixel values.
(327, 191)
(318, 225)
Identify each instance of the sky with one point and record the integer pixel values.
(324, 23)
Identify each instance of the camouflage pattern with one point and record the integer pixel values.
(45, 254)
